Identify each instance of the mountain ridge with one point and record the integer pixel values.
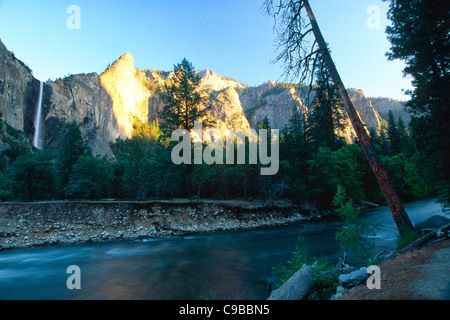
(105, 105)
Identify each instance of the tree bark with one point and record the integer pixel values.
(399, 214)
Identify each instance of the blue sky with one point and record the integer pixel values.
(232, 37)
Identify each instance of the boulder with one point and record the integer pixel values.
(433, 223)
(354, 278)
(297, 287)
(340, 291)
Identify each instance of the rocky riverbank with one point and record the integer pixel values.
(24, 225)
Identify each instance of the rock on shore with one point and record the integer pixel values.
(26, 225)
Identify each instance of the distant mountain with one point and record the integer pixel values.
(106, 105)
(384, 105)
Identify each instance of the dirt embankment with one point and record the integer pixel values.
(416, 274)
(25, 225)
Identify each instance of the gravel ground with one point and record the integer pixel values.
(418, 274)
(25, 225)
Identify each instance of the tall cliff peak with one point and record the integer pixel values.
(19, 91)
(214, 82)
(129, 92)
(125, 59)
(107, 105)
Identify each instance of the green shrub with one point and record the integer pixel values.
(300, 257)
(357, 235)
(325, 276)
(325, 280)
(408, 238)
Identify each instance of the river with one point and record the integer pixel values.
(222, 265)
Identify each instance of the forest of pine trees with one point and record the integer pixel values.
(314, 161)
(312, 165)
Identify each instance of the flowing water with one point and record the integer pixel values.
(223, 265)
(37, 119)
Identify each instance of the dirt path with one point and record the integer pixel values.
(418, 274)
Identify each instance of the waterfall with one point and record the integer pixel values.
(37, 143)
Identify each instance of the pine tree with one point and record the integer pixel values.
(407, 145)
(296, 122)
(72, 149)
(384, 140)
(184, 101)
(184, 105)
(300, 59)
(419, 36)
(326, 118)
(264, 124)
(33, 176)
(394, 135)
(89, 179)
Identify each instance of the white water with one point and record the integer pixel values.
(37, 143)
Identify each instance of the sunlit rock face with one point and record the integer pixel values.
(82, 99)
(365, 108)
(224, 102)
(210, 81)
(369, 116)
(129, 91)
(227, 110)
(106, 105)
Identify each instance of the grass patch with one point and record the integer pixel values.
(409, 238)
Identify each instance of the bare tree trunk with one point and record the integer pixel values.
(399, 214)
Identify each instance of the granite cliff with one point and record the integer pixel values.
(384, 105)
(106, 105)
(18, 92)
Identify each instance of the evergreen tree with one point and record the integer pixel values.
(357, 235)
(419, 36)
(71, 150)
(184, 101)
(301, 60)
(327, 169)
(265, 182)
(394, 136)
(296, 122)
(201, 175)
(407, 145)
(295, 149)
(184, 105)
(264, 124)
(34, 177)
(376, 139)
(143, 168)
(89, 179)
(326, 118)
(384, 140)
